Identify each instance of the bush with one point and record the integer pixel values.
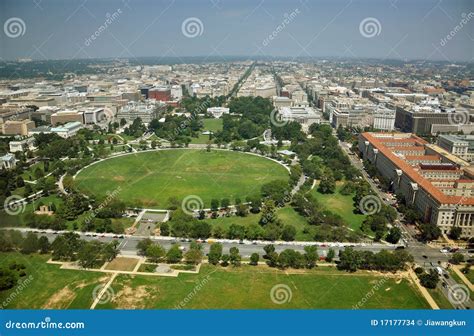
(419, 270)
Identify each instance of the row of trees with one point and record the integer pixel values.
(351, 260)
(156, 253)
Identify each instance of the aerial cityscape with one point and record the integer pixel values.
(185, 155)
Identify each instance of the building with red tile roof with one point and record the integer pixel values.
(444, 205)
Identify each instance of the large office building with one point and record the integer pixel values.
(17, 127)
(459, 145)
(428, 120)
(440, 190)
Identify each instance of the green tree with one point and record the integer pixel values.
(429, 280)
(155, 253)
(43, 244)
(331, 254)
(327, 185)
(193, 256)
(457, 258)
(288, 233)
(311, 256)
(349, 259)
(225, 260)
(254, 257)
(30, 244)
(174, 254)
(214, 204)
(215, 253)
(143, 245)
(394, 235)
(429, 232)
(235, 258)
(455, 232)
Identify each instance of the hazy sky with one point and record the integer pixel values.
(400, 29)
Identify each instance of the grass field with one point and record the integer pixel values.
(209, 124)
(287, 215)
(440, 299)
(122, 264)
(50, 287)
(250, 287)
(470, 276)
(214, 287)
(150, 178)
(342, 205)
(19, 219)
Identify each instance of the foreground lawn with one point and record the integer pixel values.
(342, 205)
(49, 287)
(250, 287)
(151, 178)
(439, 298)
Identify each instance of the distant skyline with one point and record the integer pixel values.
(383, 29)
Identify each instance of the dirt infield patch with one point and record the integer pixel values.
(129, 298)
(122, 264)
(61, 299)
(119, 178)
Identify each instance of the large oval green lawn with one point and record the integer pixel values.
(151, 178)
